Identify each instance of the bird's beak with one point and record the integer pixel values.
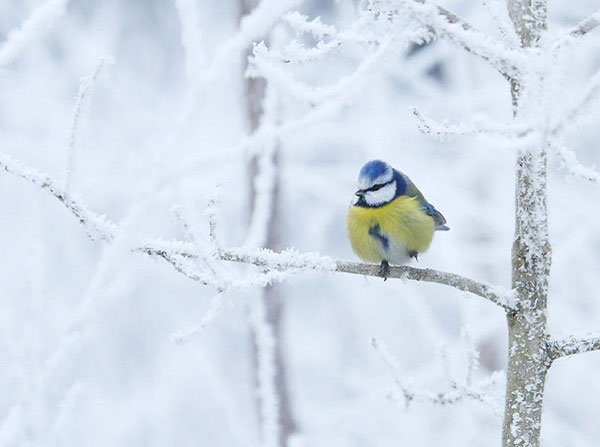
(360, 193)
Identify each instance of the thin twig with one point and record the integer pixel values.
(444, 130)
(97, 225)
(458, 392)
(86, 86)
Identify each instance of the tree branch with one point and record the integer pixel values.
(586, 25)
(445, 24)
(573, 345)
(499, 297)
(96, 225)
(177, 253)
(312, 262)
(445, 130)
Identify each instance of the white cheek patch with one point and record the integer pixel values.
(365, 183)
(381, 196)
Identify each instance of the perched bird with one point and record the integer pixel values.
(389, 220)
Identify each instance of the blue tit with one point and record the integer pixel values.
(389, 220)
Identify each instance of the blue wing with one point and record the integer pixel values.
(412, 191)
(438, 218)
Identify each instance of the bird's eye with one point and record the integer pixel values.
(376, 187)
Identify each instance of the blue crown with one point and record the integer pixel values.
(373, 169)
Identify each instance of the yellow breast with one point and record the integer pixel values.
(389, 232)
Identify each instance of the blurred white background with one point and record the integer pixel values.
(112, 375)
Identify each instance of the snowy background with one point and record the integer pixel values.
(87, 356)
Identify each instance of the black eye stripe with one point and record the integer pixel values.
(378, 187)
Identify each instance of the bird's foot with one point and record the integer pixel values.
(384, 270)
(414, 254)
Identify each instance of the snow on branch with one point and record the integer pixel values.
(253, 27)
(498, 296)
(185, 335)
(586, 25)
(498, 12)
(434, 22)
(291, 259)
(444, 131)
(264, 63)
(86, 86)
(96, 225)
(329, 37)
(315, 27)
(36, 24)
(442, 23)
(460, 391)
(568, 160)
(573, 345)
(406, 21)
(276, 266)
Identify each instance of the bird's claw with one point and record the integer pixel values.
(384, 270)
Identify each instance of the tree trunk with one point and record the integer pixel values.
(528, 360)
(271, 296)
(254, 92)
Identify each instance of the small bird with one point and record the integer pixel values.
(389, 220)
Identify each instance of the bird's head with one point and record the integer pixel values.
(377, 184)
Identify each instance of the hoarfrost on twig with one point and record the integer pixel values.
(86, 86)
(459, 391)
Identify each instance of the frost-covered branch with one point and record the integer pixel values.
(586, 25)
(315, 27)
(573, 345)
(86, 86)
(270, 65)
(279, 265)
(459, 391)
(36, 24)
(312, 262)
(442, 23)
(253, 27)
(496, 9)
(568, 160)
(96, 225)
(502, 298)
(432, 22)
(445, 130)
